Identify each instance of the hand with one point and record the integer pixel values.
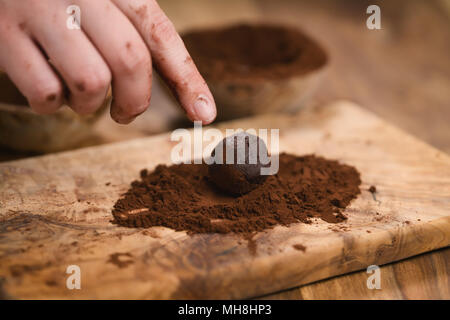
(117, 43)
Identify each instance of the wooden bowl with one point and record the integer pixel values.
(24, 130)
(253, 69)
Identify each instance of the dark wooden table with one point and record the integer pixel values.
(402, 73)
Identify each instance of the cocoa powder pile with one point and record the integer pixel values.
(183, 198)
(253, 51)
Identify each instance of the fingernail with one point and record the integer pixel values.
(125, 120)
(118, 115)
(204, 109)
(123, 117)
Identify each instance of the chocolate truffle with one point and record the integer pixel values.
(240, 171)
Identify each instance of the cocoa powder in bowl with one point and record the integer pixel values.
(253, 51)
(182, 197)
(255, 69)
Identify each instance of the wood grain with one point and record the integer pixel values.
(420, 277)
(55, 211)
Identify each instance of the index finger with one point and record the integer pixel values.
(171, 58)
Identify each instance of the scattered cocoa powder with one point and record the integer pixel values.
(121, 260)
(373, 191)
(299, 247)
(253, 51)
(51, 283)
(183, 198)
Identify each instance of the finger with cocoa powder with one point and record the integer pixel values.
(28, 68)
(171, 58)
(73, 55)
(126, 54)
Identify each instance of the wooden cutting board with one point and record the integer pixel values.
(55, 212)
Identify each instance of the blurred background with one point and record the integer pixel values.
(401, 72)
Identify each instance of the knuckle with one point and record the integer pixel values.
(44, 94)
(162, 31)
(92, 83)
(134, 58)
